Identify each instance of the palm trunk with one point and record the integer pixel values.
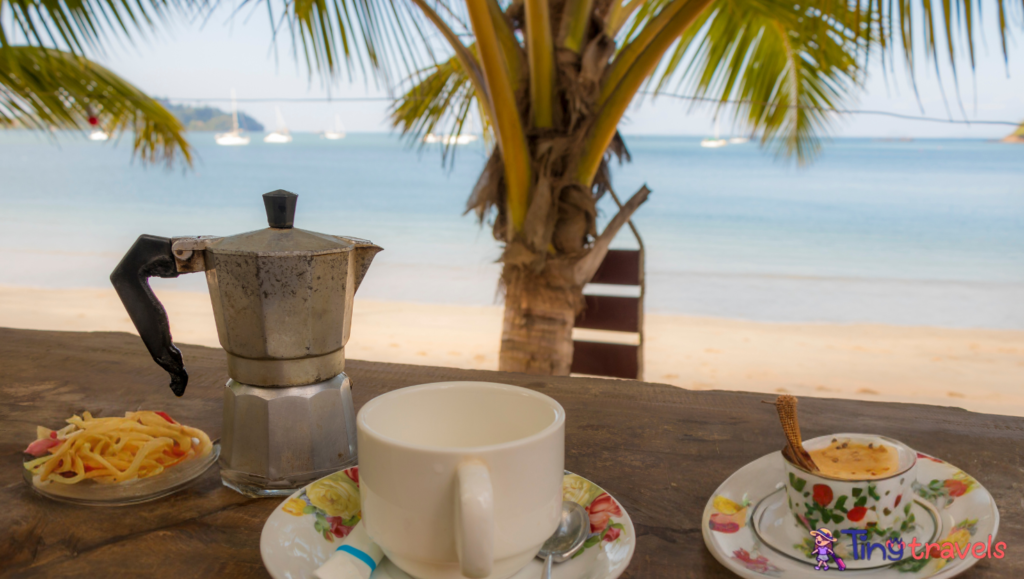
(541, 307)
(536, 336)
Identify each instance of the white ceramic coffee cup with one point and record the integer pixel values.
(461, 479)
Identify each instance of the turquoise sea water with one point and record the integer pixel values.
(928, 232)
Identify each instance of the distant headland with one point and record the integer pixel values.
(209, 118)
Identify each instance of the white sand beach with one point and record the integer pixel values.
(980, 370)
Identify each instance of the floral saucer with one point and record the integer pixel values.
(748, 528)
(309, 526)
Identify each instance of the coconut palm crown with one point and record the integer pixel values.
(551, 79)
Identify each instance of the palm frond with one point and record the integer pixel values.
(388, 39)
(646, 11)
(45, 88)
(80, 25)
(786, 63)
(944, 24)
(439, 102)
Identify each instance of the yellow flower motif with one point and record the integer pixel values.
(731, 516)
(294, 507)
(336, 495)
(727, 506)
(961, 537)
(579, 490)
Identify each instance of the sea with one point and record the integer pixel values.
(919, 233)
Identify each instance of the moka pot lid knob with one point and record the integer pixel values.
(280, 206)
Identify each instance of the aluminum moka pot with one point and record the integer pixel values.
(282, 300)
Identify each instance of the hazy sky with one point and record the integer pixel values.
(227, 53)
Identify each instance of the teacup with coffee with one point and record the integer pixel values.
(862, 481)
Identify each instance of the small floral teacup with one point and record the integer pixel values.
(881, 506)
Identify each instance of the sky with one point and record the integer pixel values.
(237, 52)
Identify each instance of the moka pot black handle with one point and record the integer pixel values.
(150, 256)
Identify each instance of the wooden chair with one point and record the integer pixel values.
(618, 314)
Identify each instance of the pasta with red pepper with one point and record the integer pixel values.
(114, 450)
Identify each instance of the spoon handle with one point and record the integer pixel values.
(547, 567)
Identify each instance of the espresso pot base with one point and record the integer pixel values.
(261, 488)
(277, 440)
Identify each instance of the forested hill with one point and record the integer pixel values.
(209, 118)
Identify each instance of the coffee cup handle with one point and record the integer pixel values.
(474, 519)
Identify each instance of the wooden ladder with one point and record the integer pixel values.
(618, 314)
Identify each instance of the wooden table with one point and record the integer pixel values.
(660, 450)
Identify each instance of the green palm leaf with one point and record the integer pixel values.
(388, 39)
(439, 102)
(78, 25)
(786, 64)
(47, 82)
(45, 88)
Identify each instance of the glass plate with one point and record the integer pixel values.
(132, 492)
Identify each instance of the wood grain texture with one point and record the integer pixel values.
(660, 450)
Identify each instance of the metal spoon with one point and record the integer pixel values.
(570, 535)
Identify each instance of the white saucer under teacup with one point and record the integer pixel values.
(299, 536)
(456, 479)
(749, 528)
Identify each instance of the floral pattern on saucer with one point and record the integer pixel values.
(967, 511)
(601, 507)
(729, 516)
(333, 501)
(305, 530)
(960, 535)
(943, 492)
(758, 565)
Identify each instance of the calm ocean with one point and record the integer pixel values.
(927, 232)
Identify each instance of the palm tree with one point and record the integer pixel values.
(552, 79)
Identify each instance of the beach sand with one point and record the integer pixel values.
(980, 370)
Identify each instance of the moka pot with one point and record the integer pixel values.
(282, 300)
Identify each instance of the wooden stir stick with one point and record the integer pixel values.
(794, 451)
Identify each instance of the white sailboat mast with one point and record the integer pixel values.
(281, 127)
(234, 112)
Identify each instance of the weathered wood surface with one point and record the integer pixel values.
(660, 450)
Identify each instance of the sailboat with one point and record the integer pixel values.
(236, 136)
(739, 140)
(281, 135)
(337, 133)
(716, 142)
(461, 139)
(98, 135)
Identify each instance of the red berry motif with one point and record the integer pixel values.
(93, 121)
(822, 495)
(856, 514)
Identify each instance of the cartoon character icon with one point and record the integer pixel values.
(823, 543)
